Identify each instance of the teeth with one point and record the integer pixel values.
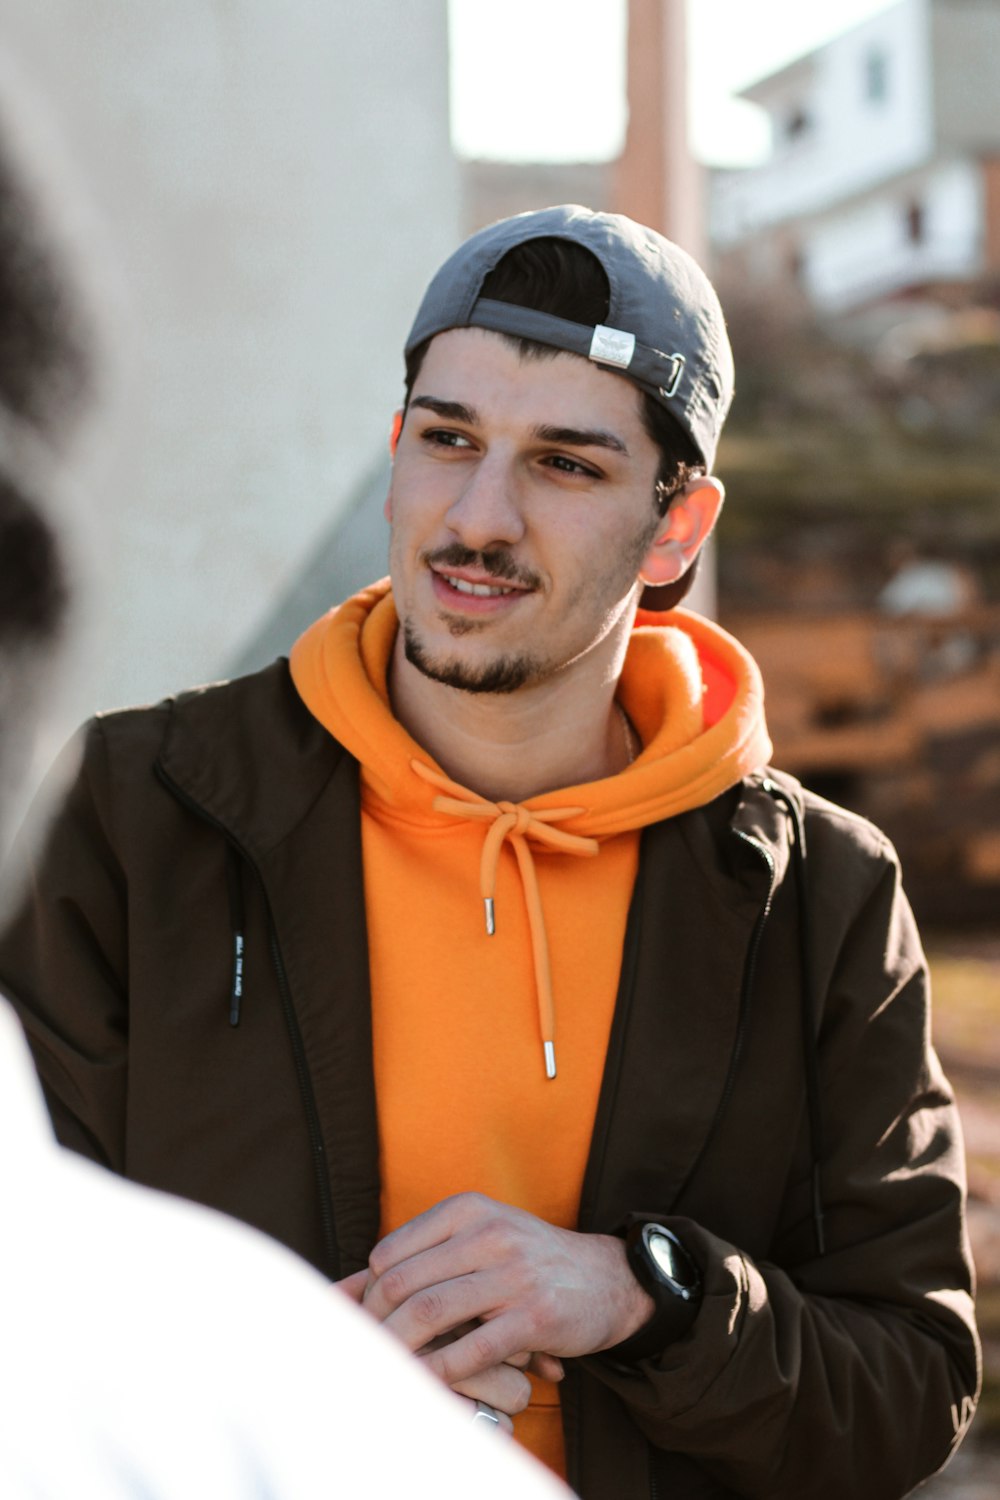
(483, 590)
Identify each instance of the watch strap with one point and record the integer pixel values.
(675, 1310)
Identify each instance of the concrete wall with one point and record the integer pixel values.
(278, 183)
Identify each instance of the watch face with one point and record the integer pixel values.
(671, 1262)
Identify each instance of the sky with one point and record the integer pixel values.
(544, 79)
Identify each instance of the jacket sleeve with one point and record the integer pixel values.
(855, 1372)
(63, 953)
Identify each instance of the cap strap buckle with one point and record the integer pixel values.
(670, 389)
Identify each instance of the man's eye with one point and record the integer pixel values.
(570, 466)
(439, 437)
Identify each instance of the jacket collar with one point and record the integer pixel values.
(250, 756)
(759, 815)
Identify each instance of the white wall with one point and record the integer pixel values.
(852, 143)
(278, 183)
(864, 250)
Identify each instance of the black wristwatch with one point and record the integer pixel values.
(664, 1269)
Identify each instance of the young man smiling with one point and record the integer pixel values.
(476, 955)
(516, 548)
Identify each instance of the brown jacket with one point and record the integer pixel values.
(230, 815)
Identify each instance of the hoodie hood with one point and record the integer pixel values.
(693, 693)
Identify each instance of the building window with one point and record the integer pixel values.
(916, 223)
(876, 76)
(797, 125)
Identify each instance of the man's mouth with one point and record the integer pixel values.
(480, 590)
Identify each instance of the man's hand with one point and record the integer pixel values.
(505, 1387)
(519, 1283)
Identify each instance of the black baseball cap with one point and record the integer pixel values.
(665, 328)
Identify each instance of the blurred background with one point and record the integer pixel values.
(269, 189)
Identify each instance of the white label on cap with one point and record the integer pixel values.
(612, 347)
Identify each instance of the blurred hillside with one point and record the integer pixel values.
(836, 452)
(860, 561)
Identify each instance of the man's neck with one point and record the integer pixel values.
(513, 746)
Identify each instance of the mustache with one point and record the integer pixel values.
(496, 563)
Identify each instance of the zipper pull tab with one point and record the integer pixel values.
(237, 990)
(237, 917)
(491, 925)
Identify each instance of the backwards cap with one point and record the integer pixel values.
(665, 328)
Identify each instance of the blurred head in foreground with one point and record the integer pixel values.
(48, 379)
(149, 1295)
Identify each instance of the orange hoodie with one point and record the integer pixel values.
(488, 924)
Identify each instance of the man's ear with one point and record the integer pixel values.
(396, 429)
(683, 531)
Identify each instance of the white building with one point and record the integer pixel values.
(884, 177)
(276, 184)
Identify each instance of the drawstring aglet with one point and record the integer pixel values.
(550, 1059)
(491, 925)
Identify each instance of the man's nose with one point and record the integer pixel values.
(488, 511)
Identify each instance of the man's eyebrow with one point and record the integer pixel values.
(572, 437)
(452, 411)
(582, 437)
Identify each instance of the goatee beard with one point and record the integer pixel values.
(503, 675)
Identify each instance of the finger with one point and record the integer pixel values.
(502, 1386)
(353, 1286)
(433, 1227)
(504, 1420)
(546, 1367)
(391, 1287)
(443, 1309)
(445, 1338)
(487, 1345)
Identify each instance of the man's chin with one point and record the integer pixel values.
(502, 674)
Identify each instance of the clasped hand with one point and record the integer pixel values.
(483, 1291)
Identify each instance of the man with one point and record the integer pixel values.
(149, 1347)
(476, 956)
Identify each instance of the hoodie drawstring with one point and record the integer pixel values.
(519, 824)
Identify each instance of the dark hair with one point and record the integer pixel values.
(562, 278)
(45, 368)
(32, 577)
(46, 378)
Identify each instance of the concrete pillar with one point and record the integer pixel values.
(656, 179)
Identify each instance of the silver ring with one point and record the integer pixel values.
(486, 1414)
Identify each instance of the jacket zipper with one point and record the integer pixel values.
(570, 1395)
(746, 989)
(317, 1147)
(749, 970)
